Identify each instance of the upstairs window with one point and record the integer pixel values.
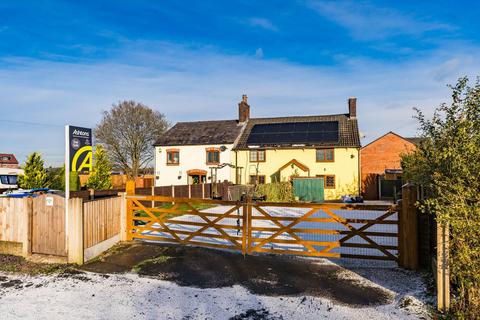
(6, 158)
(257, 155)
(325, 155)
(213, 156)
(173, 157)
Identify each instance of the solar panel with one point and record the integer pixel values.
(294, 133)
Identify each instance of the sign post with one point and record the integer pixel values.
(78, 157)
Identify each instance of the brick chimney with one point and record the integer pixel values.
(243, 109)
(352, 107)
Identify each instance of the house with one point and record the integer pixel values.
(279, 149)
(263, 150)
(380, 165)
(8, 160)
(191, 152)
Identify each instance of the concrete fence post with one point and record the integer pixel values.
(443, 269)
(75, 231)
(28, 217)
(408, 228)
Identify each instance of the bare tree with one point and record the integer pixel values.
(128, 132)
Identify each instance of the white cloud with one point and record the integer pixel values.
(367, 22)
(262, 23)
(189, 83)
(259, 53)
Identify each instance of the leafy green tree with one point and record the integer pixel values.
(56, 178)
(100, 177)
(35, 175)
(447, 165)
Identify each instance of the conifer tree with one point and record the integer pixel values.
(100, 177)
(35, 175)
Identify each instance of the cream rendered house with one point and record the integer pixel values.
(263, 150)
(280, 149)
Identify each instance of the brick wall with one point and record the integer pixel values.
(383, 153)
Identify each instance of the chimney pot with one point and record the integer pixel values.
(352, 107)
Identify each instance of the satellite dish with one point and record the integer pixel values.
(223, 148)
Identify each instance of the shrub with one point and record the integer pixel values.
(447, 165)
(276, 192)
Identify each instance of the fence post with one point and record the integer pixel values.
(153, 194)
(75, 230)
(123, 216)
(130, 190)
(203, 190)
(173, 191)
(408, 228)
(27, 240)
(443, 270)
(189, 191)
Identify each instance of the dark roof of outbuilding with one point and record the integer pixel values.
(348, 135)
(201, 133)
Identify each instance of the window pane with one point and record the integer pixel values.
(330, 181)
(12, 179)
(176, 157)
(4, 179)
(253, 155)
(320, 155)
(261, 179)
(261, 155)
(329, 155)
(253, 179)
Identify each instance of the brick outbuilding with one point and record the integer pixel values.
(380, 165)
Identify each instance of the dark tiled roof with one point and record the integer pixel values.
(347, 129)
(11, 158)
(201, 132)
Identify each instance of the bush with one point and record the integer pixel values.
(447, 165)
(276, 192)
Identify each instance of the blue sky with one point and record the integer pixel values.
(64, 62)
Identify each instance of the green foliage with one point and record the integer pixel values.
(74, 181)
(447, 164)
(56, 178)
(35, 175)
(276, 192)
(100, 177)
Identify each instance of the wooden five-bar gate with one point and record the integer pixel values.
(321, 230)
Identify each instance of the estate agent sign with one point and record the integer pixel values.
(80, 149)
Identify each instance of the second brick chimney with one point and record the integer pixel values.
(352, 107)
(243, 110)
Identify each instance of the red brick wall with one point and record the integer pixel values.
(379, 155)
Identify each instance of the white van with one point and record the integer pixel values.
(8, 178)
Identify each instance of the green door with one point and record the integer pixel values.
(308, 189)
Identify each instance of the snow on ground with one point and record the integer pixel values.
(128, 296)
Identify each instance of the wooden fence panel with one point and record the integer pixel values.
(13, 219)
(165, 191)
(48, 225)
(101, 220)
(196, 191)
